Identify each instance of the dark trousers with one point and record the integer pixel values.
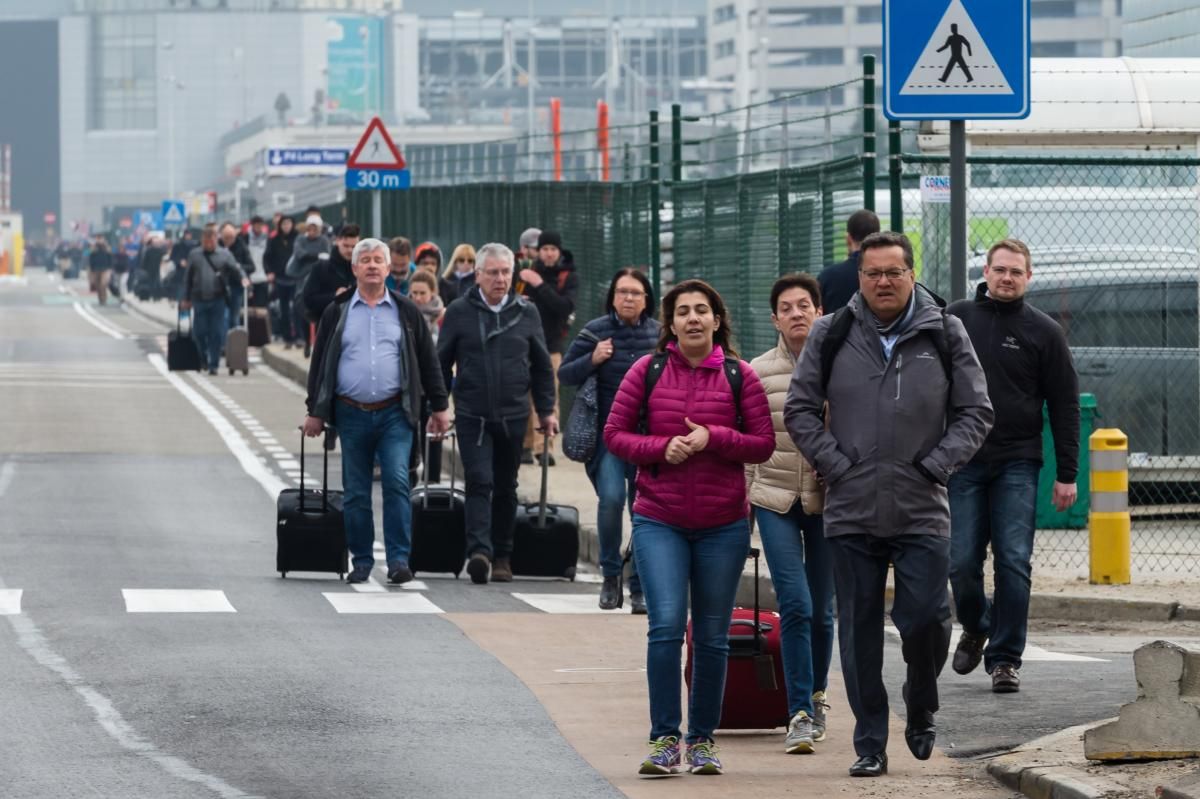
(288, 329)
(491, 456)
(920, 611)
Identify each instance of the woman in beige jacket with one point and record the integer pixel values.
(786, 500)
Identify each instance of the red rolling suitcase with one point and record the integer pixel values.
(755, 690)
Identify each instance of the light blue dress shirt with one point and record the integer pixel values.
(371, 368)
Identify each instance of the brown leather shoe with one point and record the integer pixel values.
(1005, 679)
(969, 652)
(502, 571)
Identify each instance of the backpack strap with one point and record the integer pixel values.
(657, 362)
(835, 337)
(733, 373)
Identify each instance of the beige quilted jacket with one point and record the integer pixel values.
(776, 484)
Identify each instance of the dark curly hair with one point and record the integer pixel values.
(722, 336)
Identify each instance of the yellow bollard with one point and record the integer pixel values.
(1108, 517)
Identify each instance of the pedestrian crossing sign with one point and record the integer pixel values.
(956, 59)
(173, 213)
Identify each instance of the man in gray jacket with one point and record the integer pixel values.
(907, 406)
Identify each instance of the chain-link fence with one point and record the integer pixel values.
(1116, 263)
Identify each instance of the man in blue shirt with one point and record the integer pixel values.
(373, 366)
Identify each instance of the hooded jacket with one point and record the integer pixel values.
(496, 358)
(897, 429)
(320, 289)
(306, 254)
(279, 251)
(555, 299)
(783, 478)
(708, 489)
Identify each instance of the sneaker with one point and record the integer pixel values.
(663, 758)
(820, 709)
(1006, 679)
(799, 735)
(359, 574)
(702, 758)
(969, 652)
(478, 567)
(399, 573)
(502, 570)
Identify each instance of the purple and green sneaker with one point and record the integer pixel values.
(663, 758)
(702, 758)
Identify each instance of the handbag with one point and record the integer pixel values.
(583, 423)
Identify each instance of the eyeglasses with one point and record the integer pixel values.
(875, 276)
(631, 293)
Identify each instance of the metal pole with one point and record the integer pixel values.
(655, 255)
(895, 172)
(958, 209)
(869, 132)
(377, 214)
(676, 143)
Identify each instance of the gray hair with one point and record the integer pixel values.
(530, 237)
(494, 252)
(366, 246)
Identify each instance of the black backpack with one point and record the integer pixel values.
(839, 329)
(733, 373)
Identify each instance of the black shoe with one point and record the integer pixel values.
(1006, 679)
(637, 604)
(526, 456)
(870, 766)
(545, 456)
(969, 652)
(478, 567)
(212, 372)
(399, 573)
(920, 737)
(610, 593)
(359, 574)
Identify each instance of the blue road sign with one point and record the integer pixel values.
(956, 59)
(151, 220)
(378, 179)
(174, 213)
(306, 156)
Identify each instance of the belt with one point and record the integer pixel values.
(371, 406)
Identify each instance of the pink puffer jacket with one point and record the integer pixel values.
(708, 489)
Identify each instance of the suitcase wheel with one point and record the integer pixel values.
(342, 576)
(230, 371)
(245, 373)
(283, 575)
(570, 574)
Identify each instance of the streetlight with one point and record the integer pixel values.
(174, 84)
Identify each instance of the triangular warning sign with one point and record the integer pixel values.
(956, 60)
(375, 150)
(174, 215)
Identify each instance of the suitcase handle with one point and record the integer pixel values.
(762, 626)
(450, 434)
(545, 480)
(324, 472)
(757, 626)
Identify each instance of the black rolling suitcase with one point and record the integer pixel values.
(546, 537)
(183, 354)
(439, 524)
(310, 532)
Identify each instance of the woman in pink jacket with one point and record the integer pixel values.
(689, 520)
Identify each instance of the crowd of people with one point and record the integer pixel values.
(883, 430)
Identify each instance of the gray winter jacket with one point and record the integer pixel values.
(897, 430)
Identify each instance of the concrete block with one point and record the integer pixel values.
(1083, 608)
(1164, 721)
(1187, 613)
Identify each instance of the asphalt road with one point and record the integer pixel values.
(119, 482)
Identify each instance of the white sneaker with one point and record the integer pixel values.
(800, 735)
(820, 709)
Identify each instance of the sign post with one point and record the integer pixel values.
(375, 164)
(958, 60)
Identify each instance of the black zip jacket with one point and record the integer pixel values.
(555, 299)
(1025, 356)
(327, 277)
(496, 358)
(279, 250)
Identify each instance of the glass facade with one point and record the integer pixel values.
(123, 73)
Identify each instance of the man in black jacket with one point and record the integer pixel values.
(551, 284)
(839, 281)
(232, 242)
(334, 277)
(993, 499)
(492, 341)
(373, 368)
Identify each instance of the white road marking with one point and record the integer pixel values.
(98, 323)
(10, 601)
(290, 385)
(151, 600)
(6, 476)
(294, 465)
(565, 603)
(386, 602)
(275, 448)
(1032, 653)
(283, 456)
(233, 440)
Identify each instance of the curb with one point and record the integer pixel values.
(1039, 778)
(1185, 788)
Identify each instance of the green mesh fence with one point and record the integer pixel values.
(741, 233)
(1116, 263)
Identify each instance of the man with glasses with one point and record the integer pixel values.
(993, 499)
(493, 347)
(907, 406)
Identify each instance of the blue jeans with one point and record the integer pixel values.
(614, 481)
(235, 306)
(208, 326)
(798, 557)
(709, 563)
(994, 503)
(364, 434)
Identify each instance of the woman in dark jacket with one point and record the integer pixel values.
(275, 261)
(606, 348)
